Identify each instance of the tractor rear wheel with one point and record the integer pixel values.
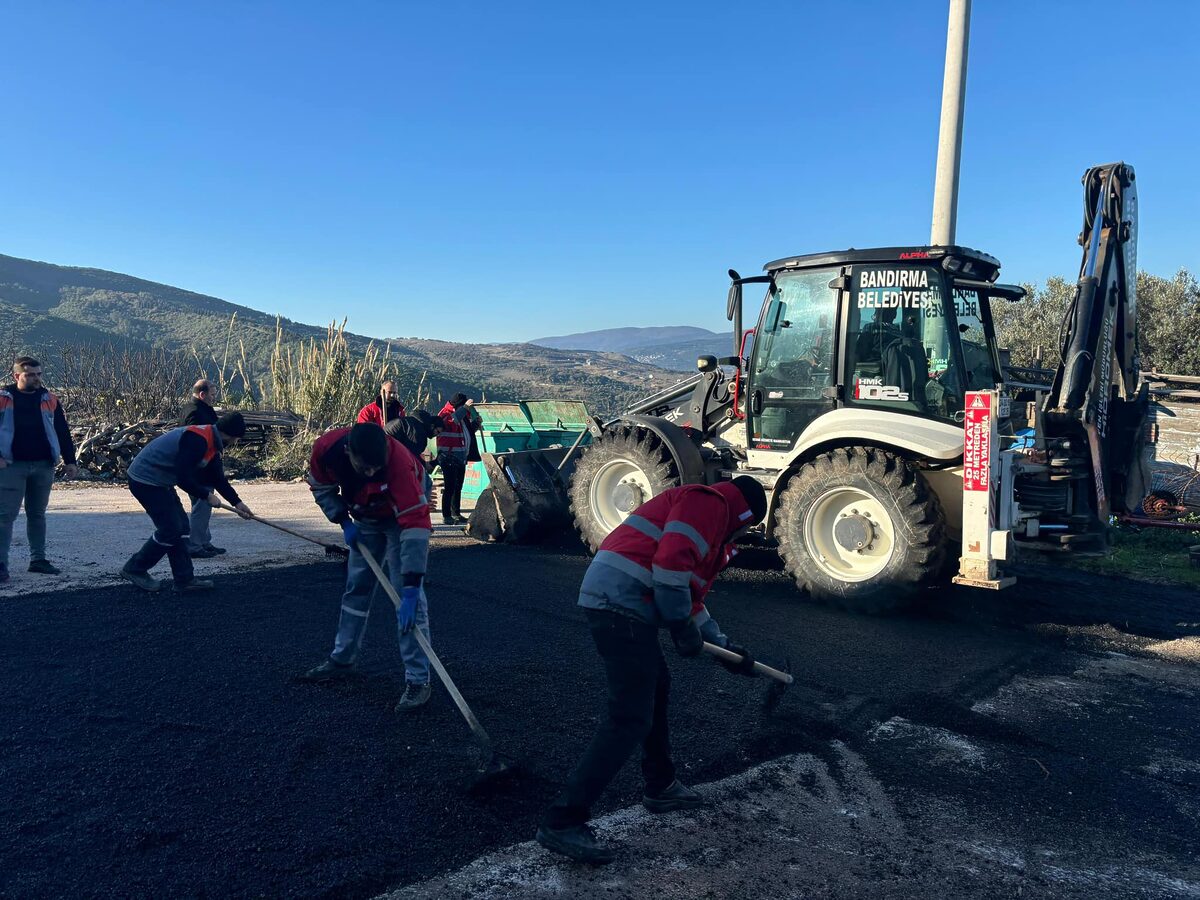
(616, 474)
(859, 528)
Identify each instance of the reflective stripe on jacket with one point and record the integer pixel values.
(48, 405)
(660, 563)
(454, 438)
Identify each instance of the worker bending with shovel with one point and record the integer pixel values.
(373, 488)
(651, 572)
(189, 458)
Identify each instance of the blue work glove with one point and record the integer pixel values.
(350, 532)
(406, 612)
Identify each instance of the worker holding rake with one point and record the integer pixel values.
(653, 571)
(373, 488)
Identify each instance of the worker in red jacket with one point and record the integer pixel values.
(373, 488)
(385, 407)
(454, 448)
(653, 571)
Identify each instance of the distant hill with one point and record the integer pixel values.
(672, 347)
(622, 340)
(47, 308)
(681, 356)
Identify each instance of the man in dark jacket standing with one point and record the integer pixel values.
(199, 411)
(653, 571)
(33, 437)
(178, 458)
(414, 434)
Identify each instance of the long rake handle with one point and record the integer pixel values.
(730, 656)
(386, 584)
(286, 530)
(463, 708)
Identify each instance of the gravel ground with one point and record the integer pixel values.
(1040, 741)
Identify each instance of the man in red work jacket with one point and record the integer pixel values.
(374, 489)
(385, 407)
(454, 448)
(652, 572)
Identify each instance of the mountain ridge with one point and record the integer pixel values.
(51, 307)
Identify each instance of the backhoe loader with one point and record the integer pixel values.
(869, 400)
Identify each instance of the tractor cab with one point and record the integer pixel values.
(905, 331)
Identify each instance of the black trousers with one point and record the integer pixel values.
(171, 532)
(454, 470)
(638, 686)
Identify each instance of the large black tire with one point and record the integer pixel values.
(917, 524)
(622, 448)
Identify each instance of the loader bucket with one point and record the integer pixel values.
(526, 498)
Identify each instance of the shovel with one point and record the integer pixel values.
(781, 679)
(491, 766)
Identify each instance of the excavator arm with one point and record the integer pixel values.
(1093, 418)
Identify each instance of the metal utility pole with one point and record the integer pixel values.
(954, 86)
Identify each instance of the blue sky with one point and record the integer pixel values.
(502, 171)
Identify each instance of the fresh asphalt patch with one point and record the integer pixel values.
(157, 746)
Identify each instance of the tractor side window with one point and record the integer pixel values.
(981, 372)
(899, 354)
(795, 342)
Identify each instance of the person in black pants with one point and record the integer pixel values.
(178, 458)
(652, 572)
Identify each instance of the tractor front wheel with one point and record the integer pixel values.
(859, 528)
(616, 474)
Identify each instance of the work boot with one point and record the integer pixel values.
(4, 574)
(196, 585)
(675, 797)
(414, 695)
(43, 567)
(202, 553)
(144, 580)
(460, 519)
(447, 520)
(216, 550)
(577, 842)
(328, 671)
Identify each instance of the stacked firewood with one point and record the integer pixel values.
(106, 450)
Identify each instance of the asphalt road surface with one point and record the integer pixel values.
(1037, 742)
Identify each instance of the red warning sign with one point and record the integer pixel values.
(977, 442)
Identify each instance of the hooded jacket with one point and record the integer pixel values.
(396, 492)
(411, 431)
(659, 564)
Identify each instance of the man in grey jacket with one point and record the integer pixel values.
(33, 437)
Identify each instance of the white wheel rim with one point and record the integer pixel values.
(829, 555)
(605, 487)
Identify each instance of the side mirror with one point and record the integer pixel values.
(733, 302)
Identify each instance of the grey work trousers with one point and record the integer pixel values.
(198, 518)
(28, 483)
(387, 548)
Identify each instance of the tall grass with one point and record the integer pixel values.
(326, 384)
(321, 380)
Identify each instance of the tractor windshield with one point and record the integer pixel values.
(909, 348)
